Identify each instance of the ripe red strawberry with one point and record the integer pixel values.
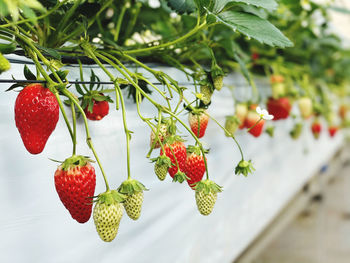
(75, 182)
(251, 120)
(175, 148)
(198, 122)
(99, 110)
(305, 107)
(279, 108)
(316, 129)
(332, 130)
(36, 116)
(241, 111)
(195, 167)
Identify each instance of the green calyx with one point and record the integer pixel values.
(207, 186)
(172, 139)
(180, 177)
(110, 197)
(195, 149)
(270, 131)
(130, 187)
(244, 167)
(74, 161)
(162, 160)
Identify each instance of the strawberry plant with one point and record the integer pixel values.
(204, 39)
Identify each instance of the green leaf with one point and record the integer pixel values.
(254, 27)
(28, 13)
(49, 51)
(182, 6)
(267, 4)
(28, 74)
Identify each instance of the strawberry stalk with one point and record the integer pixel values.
(228, 133)
(127, 132)
(187, 35)
(88, 137)
(74, 127)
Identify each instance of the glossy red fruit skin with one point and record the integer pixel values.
(332, 130)
(251, 120)
(194, 169)
(36, 116)
(179, 150)
(203, 123)
(99, 110)
(75, 187)
(316, 129)
(279, 108)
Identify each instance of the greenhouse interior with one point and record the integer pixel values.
(175, 131)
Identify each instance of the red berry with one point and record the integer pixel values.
(178, 149)
(255, 56)
(316, 129)
(36, 116)
(194, 169)
(251, 120)
(198, 123)
(279, 108)
(332, 130)
(99, 110)
(75, 182)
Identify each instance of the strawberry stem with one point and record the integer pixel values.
(254, 124)
(227, 132)
(74, 128)
(88, 137)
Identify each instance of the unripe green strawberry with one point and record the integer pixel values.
(163, 163)
(4, 64)
(108, 212)
(133, 205)
(305, 107)
(133, 190)
(206, 195)
(231, 125)
(218, 82)
(296, 132)
(207, 92)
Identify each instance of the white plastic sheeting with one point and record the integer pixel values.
(35, 227)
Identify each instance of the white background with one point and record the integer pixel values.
(35, 227)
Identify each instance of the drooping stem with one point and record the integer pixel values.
(88, 137)
(74, 127)
(227, 132)
(127, 132)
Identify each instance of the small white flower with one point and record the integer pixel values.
(264, 114)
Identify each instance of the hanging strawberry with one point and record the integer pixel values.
(93, 101)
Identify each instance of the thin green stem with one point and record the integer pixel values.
(254, 124)
(74, 128)
(189, 34)
(120, 20)
(127, 132)
(88, 137)
(227, 132)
